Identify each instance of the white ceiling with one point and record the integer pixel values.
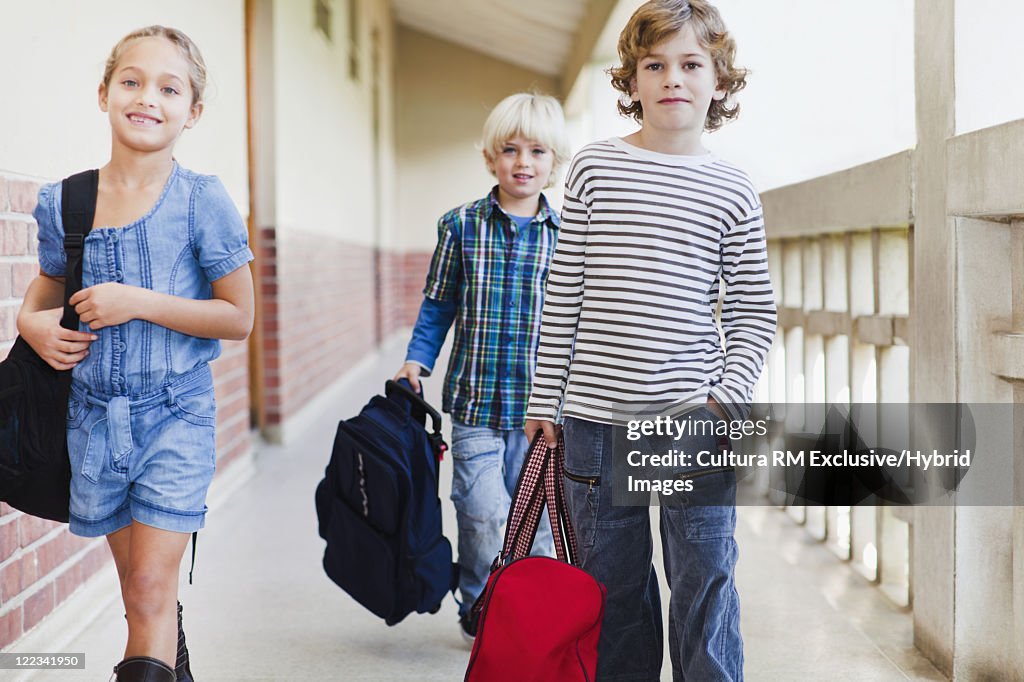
(535, 34)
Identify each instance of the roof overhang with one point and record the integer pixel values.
(555, 38)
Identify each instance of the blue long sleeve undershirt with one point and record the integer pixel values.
(428, 335)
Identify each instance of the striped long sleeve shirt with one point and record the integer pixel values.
(628, 324)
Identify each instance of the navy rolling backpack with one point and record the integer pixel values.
(379, 509)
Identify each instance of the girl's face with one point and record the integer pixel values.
(149, 97)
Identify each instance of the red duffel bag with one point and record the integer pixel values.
(539, 618)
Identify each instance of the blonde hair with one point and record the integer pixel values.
(658, 20)
(188, 49)
(532, 116)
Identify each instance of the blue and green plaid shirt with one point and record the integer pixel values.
(488, 277)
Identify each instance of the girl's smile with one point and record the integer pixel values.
(144, 120)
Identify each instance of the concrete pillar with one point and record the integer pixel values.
(967, 612)
(1017, 264)
(985, 172)
(984, 643)
(933, 314)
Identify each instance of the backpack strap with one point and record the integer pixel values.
(78, 209)
(195, 537)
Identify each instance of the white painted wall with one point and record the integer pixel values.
(52, 54)
(989, 63)
(832, 86)
(324, 147)
(443, 96)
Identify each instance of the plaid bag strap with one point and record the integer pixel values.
(539, 485)
(527, 504)
(562, 532)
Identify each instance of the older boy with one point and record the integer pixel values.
(651, 222)
(488, 275)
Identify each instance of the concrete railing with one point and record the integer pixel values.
(839, 251)
(853, 327)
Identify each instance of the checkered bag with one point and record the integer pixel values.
(539, 618)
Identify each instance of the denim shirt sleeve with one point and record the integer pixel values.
(216, 230)
(52, 259)
(428, 335)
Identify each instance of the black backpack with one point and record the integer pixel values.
(379, 509)
(35, 474)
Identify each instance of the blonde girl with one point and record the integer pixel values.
(165, 276)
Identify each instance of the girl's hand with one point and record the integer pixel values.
(108, 304)
(411, 372)
(61, 348)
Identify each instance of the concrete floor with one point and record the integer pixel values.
(262, 608)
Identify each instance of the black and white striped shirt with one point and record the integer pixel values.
(628, 323)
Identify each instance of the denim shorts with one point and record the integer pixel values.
(148, 458)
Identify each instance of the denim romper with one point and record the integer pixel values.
(141, 417)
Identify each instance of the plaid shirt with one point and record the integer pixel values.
(487, 277)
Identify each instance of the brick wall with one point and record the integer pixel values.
(318, 315)
(231, 387)
(41, 563)
(403, 275)
(324, 309)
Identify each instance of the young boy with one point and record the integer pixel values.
(488, 275)
(650, 224)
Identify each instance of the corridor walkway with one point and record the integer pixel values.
(261, 607)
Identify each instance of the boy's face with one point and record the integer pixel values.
(675, 84)
(522, 166)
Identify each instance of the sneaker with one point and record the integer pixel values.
(467, 628)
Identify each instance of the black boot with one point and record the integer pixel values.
(143, 669)
(181, 669)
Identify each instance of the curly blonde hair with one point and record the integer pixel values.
(656, 21)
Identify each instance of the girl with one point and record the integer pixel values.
(165, 275)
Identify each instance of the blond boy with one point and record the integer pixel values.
(487, 276)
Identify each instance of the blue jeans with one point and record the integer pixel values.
(700, 560)
(486, 465)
